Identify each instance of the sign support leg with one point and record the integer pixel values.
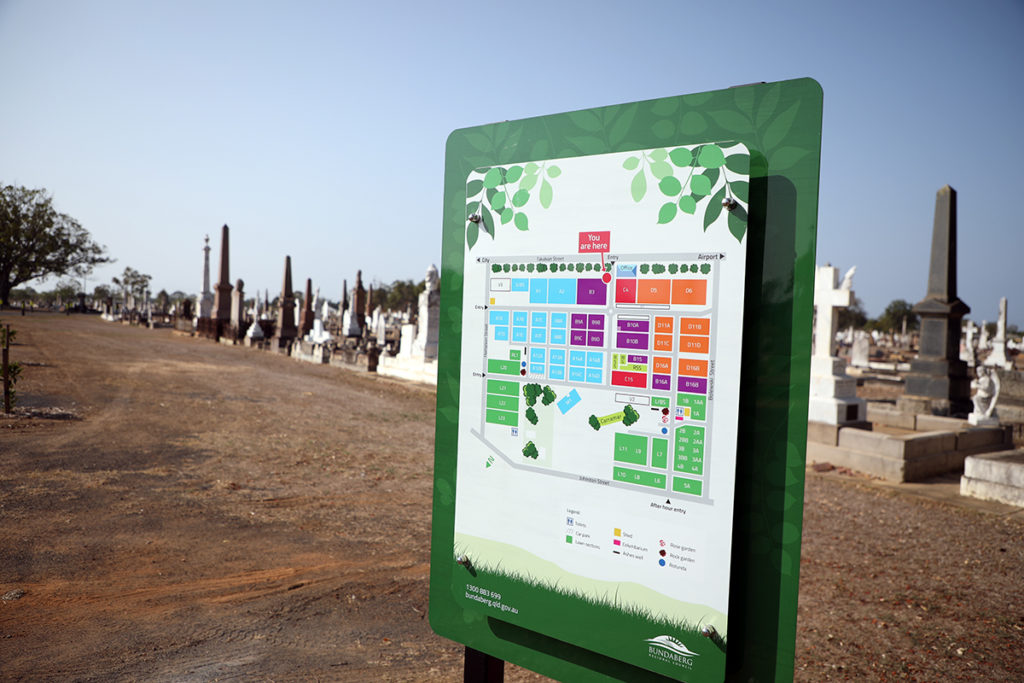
(480, 667)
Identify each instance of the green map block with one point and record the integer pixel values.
(689, 451)
(652, 479)
(503, 402)
(697, 403)
(502, 367)
(631, 448)
(659, 453)
(690, 486)
(659, 402)
(502, 417)
(501, 386)
(514, 354)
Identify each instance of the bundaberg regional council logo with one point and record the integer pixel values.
(668, 649)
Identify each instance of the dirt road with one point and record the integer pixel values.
(173, 509)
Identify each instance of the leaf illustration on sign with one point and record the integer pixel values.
(500, 195)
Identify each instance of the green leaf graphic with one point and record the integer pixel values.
(506, 215)
(479, 142)
(710, 156)
(498, 203)
(670, 186)
(587, 120)
(732, 121)
(688, 204)
(513, 174)
(554, 171)
(658, 154)
(714, 208)
(692, 123)
(785, 157)
(617, 131)
(712, 175)
(588, 144)
(638, 188)
(473, 187)
(631, 163)
(667, 212)
(741, 190)
(472, 233)
(471, 208)
(665, 107)
(487, 221)
(738, 163)
(738, 222)
(493, 177)
(529, 181)
(767, 106)
(663, 129)
(545, 194)
(520, 198)
(660, 169)
(700, 185)
(778, 128)
(521, 221)
(681, 157)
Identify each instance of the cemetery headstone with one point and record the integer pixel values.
(307, 310)
(222, 295)
(860, 354)
(425, 345)
(968, 355)
(938, 379)
(986, 393)
(238, 307)
(833, 395)
(286, 330)
(205, 304)
(998, 358)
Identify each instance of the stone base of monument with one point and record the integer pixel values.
(928, 445)
(833, 398)
(995, 476)
(410, 368)
(309, 352)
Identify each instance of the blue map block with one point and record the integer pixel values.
(569, 401)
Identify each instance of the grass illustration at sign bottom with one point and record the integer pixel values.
(602, 623)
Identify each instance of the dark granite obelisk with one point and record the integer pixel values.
(307, 310)
(222, 293)
(285, 332)
(938, 375)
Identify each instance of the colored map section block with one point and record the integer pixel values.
(502, 417)
(502, 402)
(625, 291)
(499, 317)
(658, 402)
(633, 325)
(693, 385)
(689, 292)
(663, 342)
(500, 333)
(663, 325)
(694, 326)
(696, 403)
(661, 382)
(591, 292)
(651, 291)
(689, 486)
(538, 290)
(520, 284)
(689, 451)
(629, 379)
(501, 386)
(694, 344)
(502, 367)
(659, 453)
(629, 340)
(630, 448)
(662, 365)
(562, 291)
(691, 367)
(514, 354)
(652, 479)
(568, 402)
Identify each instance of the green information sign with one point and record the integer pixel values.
(626, 300)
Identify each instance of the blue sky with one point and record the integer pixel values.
(317, 129)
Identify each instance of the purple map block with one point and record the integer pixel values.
(625, 340)
(636, 359)
(595, 321)
(595, 339)
(592, 292)
(634, 325)
(661, 382)
(578, 338)
(693, 385)
(579, 321)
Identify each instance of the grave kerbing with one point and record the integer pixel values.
(938, 382)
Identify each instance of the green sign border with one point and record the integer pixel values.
(781, 125)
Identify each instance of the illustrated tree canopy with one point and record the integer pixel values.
(630, 415)
(36, 240)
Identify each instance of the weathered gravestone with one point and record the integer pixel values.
(833, 398)
(860, 354)
(998, 357)
(286, 330)
(938, 381)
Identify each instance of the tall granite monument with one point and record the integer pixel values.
(205, 304)
(222, 293)
(285, 331)
(938, 382)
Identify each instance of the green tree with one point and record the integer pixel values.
(531, 415)
(549, 395)
(630, 415)
(37, 241)
(894, 314)
(594, 422)
(531, 392)
(530, 450)
(853, 315)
